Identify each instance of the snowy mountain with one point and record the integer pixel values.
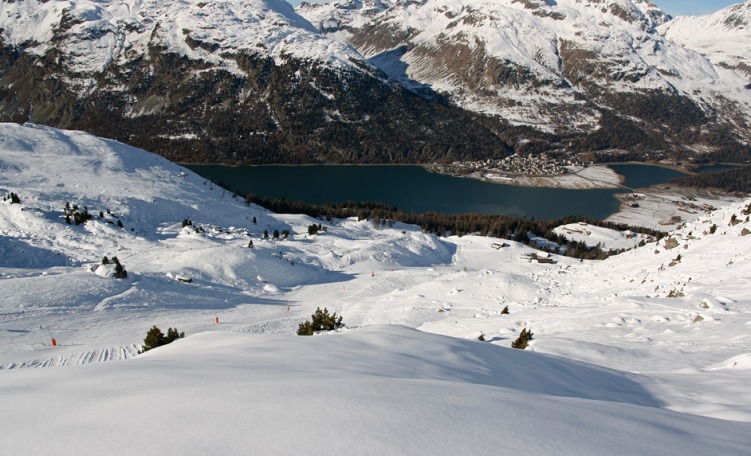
(647, 352)
(724, 37)
(565, 67)
(231, 82)
(254, 82)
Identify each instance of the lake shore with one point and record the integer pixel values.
(581, 178)
(665, 208)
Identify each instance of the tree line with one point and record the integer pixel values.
(527, 231)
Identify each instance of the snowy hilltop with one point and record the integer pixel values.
(646, 352)
(90, 36)
(724, 37)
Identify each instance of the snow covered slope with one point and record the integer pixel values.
(642, 352)
(551, 65)
(724, 37)
(89, 36)
(377, 390)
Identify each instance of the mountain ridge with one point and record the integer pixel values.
(230, 82)
(723, 36)
(564, 67)
(253, 82)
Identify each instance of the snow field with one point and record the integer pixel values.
(623, 362)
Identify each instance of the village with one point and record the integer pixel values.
(513, 165)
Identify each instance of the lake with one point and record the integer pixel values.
(715, 169)
(412, 188)
(642, 176)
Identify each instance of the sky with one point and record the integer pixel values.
(673, 7)
(693, 7)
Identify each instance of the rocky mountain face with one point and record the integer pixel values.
(222, 82)
(596, 74)
(368, 81)
(723, 37)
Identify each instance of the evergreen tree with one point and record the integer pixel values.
(321, 320)
(173, 335)
(154, 338)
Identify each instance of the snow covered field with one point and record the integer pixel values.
(647, 352)
(581, 178)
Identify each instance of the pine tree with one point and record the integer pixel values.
(173, 335)
(154, 338)
(321, 320)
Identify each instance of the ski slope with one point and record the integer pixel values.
(647, 352)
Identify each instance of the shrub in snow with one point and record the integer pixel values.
(276, 234)
(523, 340)
(187, 222)
(156, 338)
(315, 229)
(505, 311)
(481, 338)
(13, 198)
(265, 234)
(321, 320)
(120, 272)
(74, 215)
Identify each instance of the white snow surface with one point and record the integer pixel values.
(644, 353)
(94, 34)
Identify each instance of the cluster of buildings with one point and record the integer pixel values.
(526, 165)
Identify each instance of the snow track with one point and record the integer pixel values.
(77, 359)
